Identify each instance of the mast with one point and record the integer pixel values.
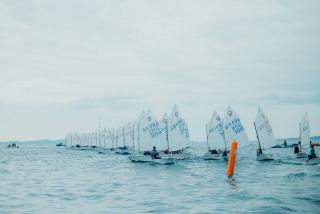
(133, 138)
(257, 135)
(207, 137)
(99, 133)
(117, 137)
(300, 144)
(225, 142)
(104, 138)
(167, 133)
(96, 138)
(139, 137)
(124, 139)
(112, 139)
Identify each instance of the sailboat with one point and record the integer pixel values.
(233, 128)
(304, 136)
(109, 139)
(150, 133)
(177, 136)
(136, 133)
(216, 142)
(265, 135)
(122, 147)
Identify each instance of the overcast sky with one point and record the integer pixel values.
(64, 63)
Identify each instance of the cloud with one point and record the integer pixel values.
(76, 60)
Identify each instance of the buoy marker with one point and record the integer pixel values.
(232, 158)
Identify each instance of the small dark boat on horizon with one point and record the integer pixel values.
(60, 144)
(13, 146)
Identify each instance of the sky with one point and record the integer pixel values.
(64, 64)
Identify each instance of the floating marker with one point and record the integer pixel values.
(232, 158)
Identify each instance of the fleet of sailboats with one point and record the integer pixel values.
(164, 141)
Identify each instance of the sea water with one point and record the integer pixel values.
(42, 178)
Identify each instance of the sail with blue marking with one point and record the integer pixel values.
(215, 133)
(178, 132)
(263, 129)
(304, 130)
(233, 128)
(151, 133)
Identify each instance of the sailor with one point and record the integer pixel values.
(154, 153)
(312, 153)
(213, 151)
(224, 154)
(259, 151)
(296, 149)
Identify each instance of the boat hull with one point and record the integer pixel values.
(301, 155)
(209, 156)
(148, 158)
(181, 156)
(313, 161)
(265, 157)
(122, 151)
(140, 158)
(164, 161)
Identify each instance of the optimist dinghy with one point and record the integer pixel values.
(216, 142)
(122, 148)
(149, 134)
(264, 135)
(233, 128)
(304, 137)
(176, 135)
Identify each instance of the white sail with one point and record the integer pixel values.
(87, 139)
(151, 133)
(137, 131)
(69, 140)
(109, 138)
(120, 137)
(233, 128)
(215, 132)
(76, 139)
(178, 131)
(304, 130)
(264, 130)
(94, 139)
(128, 134)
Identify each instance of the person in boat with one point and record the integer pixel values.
(213, 151)
(312, 153)
(285, 143)
(296, 148)
(259, 151)
(224, 154)
(154, 153)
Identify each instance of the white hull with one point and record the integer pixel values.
(209, 156)
(301, 155)
(148, 158)
(313, 161)
(140, 158)
(120, 151)
(264, 157)
(181, 156)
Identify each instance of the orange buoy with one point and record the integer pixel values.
(232, 158)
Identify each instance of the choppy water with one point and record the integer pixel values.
(40, 178)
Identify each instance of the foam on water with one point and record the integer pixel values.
(40, 178)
